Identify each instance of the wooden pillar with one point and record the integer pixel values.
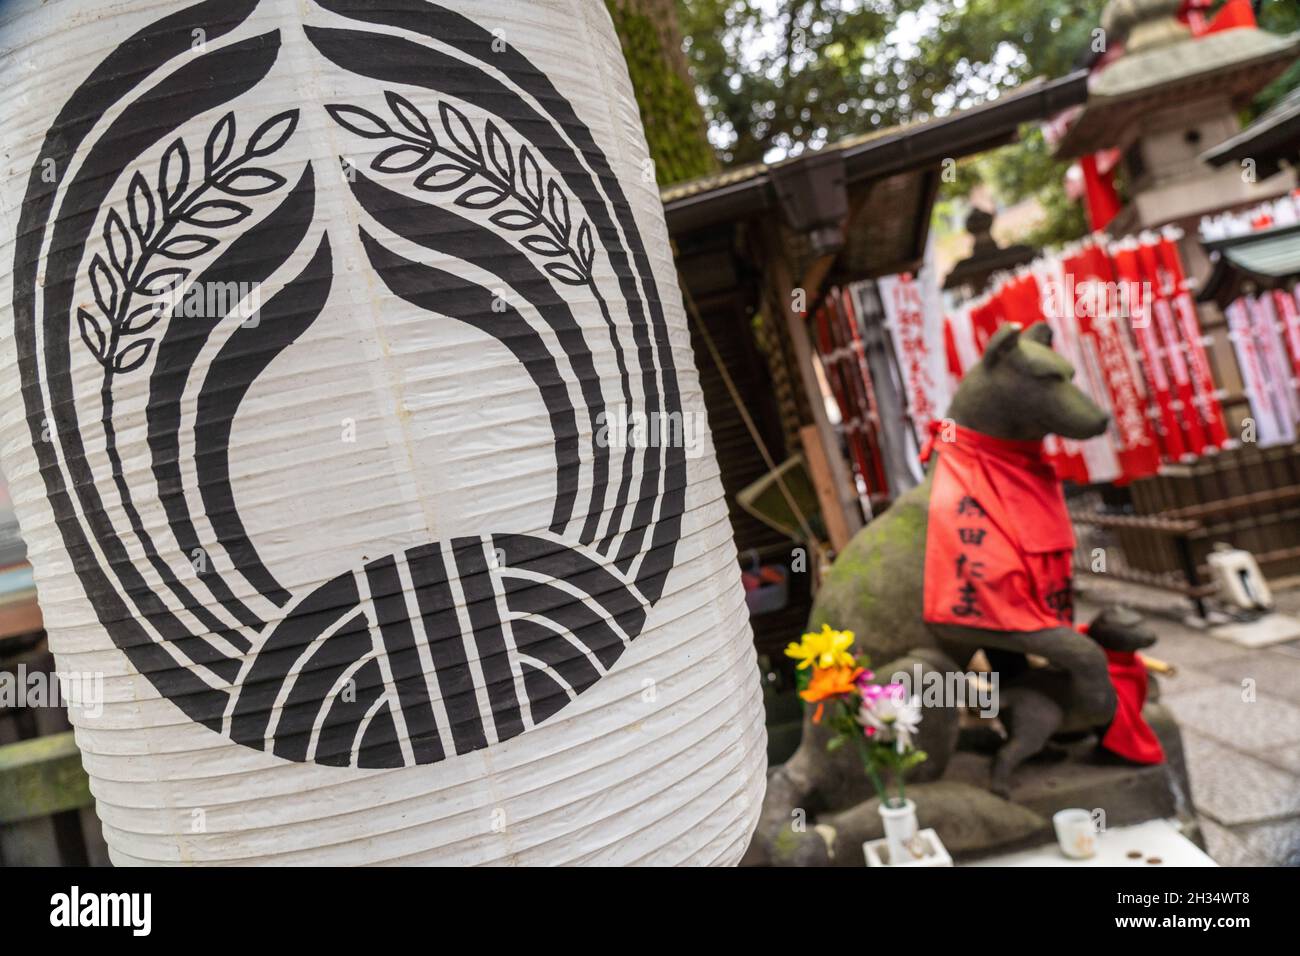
(836, 491)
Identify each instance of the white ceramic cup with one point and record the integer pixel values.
(1076, 833)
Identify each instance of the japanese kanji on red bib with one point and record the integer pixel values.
(998, 549)
(998, 555)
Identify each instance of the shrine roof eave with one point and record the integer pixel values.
(1274, 135)
(746, 191)
(1235, 63)
(1263, 256)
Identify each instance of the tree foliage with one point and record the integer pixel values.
(1278, 16)
(675, 128)
(779, 76)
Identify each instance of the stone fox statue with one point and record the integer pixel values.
(1020, 391)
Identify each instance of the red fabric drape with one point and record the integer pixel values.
(1129, 735)
(1099, 192)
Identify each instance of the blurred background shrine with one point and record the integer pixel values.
(856, 242)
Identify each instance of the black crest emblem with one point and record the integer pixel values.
(482, 200)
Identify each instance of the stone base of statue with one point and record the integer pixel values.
(819, 809)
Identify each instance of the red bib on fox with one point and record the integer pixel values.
(999, 542)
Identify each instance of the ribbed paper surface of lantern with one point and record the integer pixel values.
(351, 420)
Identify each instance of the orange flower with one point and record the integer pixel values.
(827, 683)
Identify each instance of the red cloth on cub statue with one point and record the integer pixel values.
(1129, 734)
(998, 555)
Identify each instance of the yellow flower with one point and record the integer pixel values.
(826, 648)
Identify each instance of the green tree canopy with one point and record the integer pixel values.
(780, 76)
(777, 76)
(1278, 16)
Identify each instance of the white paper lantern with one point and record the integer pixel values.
(345, 336)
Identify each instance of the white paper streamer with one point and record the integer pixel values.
(1252, 335)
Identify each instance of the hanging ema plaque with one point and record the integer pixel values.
(354, 432)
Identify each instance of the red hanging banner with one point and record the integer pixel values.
(844, 362)
(1174, 279)
(1157, 289)
(1103, 345)
(1129, 269)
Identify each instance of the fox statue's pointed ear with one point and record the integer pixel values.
(1003, 342)
(1041, 333)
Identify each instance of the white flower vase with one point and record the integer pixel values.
(900, 830)
(903, 845)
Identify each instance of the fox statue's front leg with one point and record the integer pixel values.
(1040, 702)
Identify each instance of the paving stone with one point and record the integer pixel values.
(1274, 674)
(1184, 647)
(1267, 631)
(1288, 758)
(1278, 843)
(1290, 650)
(1286, 600)
(1234, 788)
(1227, 848)
(1243, 758)
(1185, 681)
(1257, 726)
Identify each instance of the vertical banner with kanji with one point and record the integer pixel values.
(844, 360)
(1289, 315)
(1158, 287)
(1252, 328)
(1106, 350)
(1173, 285)
(1130, 291)
(914, 319)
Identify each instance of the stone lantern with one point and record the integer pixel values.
(969, 277)
(1167, 98)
